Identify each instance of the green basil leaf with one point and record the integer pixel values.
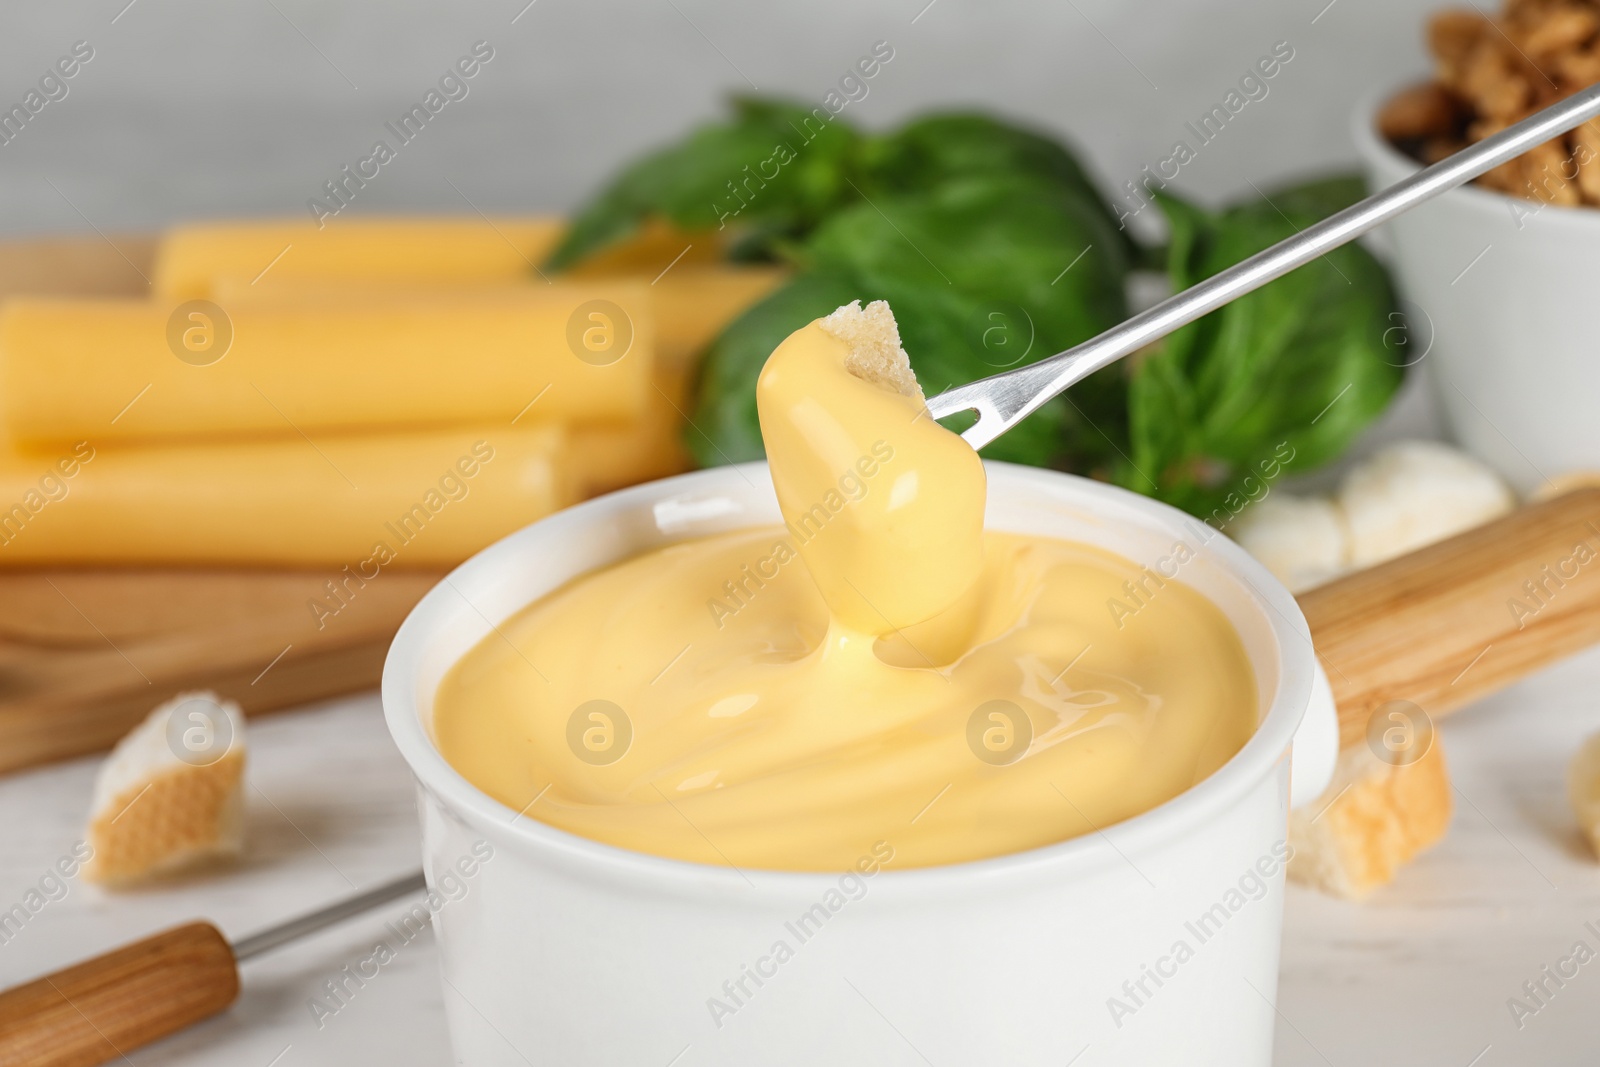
(775, 168)
(931, 150)
(1285, 377)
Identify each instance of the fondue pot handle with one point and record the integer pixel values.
(102, 1008)
(1458, 620)
(1315, 754)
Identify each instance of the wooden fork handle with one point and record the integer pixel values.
(102, 1008)
(1458, 620)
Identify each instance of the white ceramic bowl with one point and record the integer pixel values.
(561, 950)
(1500, 292)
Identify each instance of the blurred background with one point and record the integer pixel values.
(194, 110)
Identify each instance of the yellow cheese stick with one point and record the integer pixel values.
(655, 247)
(691, 309)
(119, 370)
(464, 249)
(611, 455)
(690, 306)
(367, 502)
(436, 250)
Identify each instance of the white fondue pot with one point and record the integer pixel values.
(1152, 942)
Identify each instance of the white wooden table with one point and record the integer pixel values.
(1420, 974)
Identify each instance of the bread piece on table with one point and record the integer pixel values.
(171, 793)
(1374, 817)
(1583, 790)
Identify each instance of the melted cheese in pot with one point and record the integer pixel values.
(878, 676)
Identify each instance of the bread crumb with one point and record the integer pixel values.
(875, 352)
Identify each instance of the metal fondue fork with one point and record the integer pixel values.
(1002, 400)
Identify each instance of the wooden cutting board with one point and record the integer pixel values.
(85, 654)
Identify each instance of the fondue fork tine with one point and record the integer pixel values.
(1003, 400)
